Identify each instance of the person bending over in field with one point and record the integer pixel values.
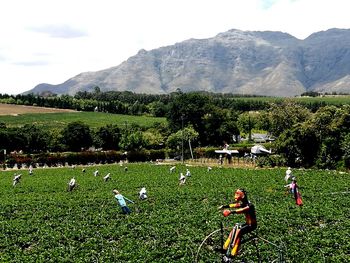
(16, 179)
(143, 193)
(121, 201)
(243, 206)
(72, 184)
(182, 179)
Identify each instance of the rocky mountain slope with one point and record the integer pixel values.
(239, 62)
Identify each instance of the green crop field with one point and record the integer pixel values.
(41, 221)
(93, 119)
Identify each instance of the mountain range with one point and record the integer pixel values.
(268, 63)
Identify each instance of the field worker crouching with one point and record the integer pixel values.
(107, 177)
(121, 201)
(143, 193)
(182, 179)
(71, 184)
(243, 206)
(16, 179)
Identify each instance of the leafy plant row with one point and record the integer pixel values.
(41, 222)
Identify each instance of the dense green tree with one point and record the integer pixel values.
(187, 109)
(56, 142)
(77, 136)
(286, 114)
(345, 147)
(246, 122)
(262, 121)
(219, 125)
(153, 139)
(298, 145)
(108, 137)
(318, 141)
(132, 141)
(176, 139)
(157, 108)
(35, 139)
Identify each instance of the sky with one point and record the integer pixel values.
(51, 41)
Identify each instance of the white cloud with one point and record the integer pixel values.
(52, 41)
(59, 31)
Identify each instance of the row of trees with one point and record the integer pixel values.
(126, 102)
(303, 137)
(77, 136)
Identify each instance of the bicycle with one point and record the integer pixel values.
(211, 248)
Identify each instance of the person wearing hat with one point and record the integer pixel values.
(242, 206)
(121, 201)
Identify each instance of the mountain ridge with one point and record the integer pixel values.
(269, 63)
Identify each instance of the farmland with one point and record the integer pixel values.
(41, 222)
(14, 110)
(59, 119)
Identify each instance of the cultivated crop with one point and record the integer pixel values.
(93, 119)
(41, 221)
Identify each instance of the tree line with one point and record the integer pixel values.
(308, 137)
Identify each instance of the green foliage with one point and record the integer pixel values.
(41, 222)
(108, 137)
(283, 116)
(308, 136)
(93, 119)
(77, 136)
(345, 146)
(132, 141)
(182, 136)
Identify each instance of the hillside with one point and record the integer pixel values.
(240, 62)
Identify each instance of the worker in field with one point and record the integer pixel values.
(72, 184)
(16, 179)
(121, 201)
(288, 174)
(182, 179)
(294, 190)
(242, 206)
(143, 193)
(31, 170)
(107, 177)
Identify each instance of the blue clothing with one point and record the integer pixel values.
(126, 210)
(120, 200)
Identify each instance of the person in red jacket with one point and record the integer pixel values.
(242, 206)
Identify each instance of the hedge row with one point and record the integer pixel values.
(89, 157)
(83, 158)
